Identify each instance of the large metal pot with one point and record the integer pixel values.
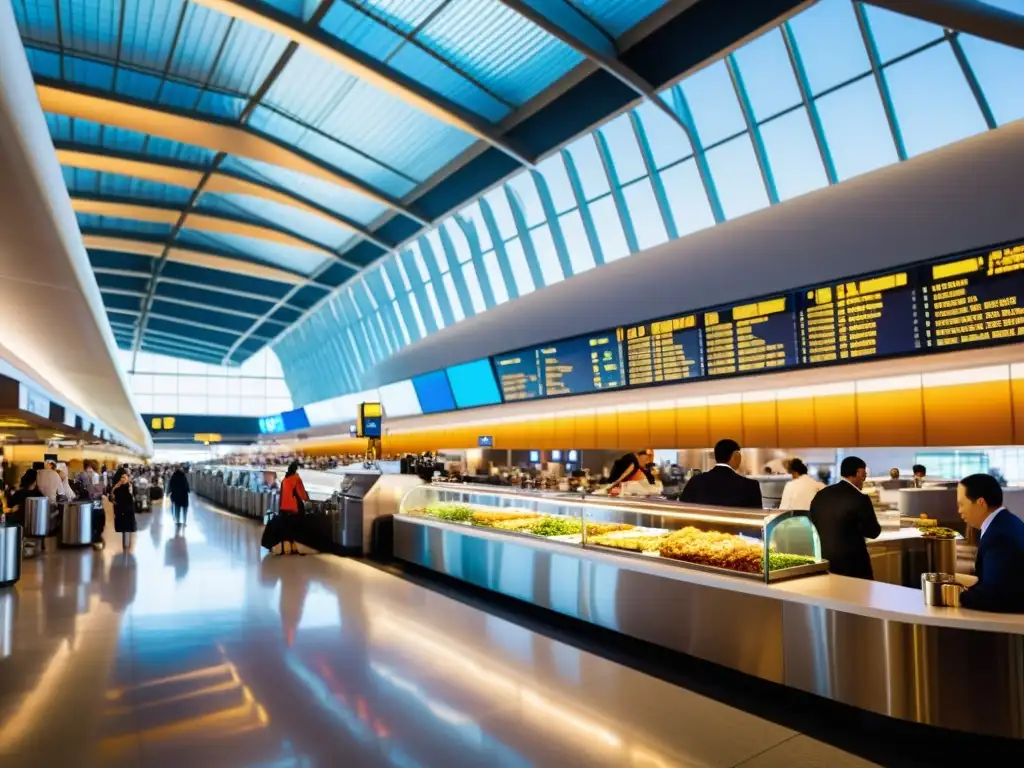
(941, 589)
(37, 516)
(76, 526)
(10, 554)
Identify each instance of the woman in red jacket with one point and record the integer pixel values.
(293, 494)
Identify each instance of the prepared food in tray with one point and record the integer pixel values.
(690, 544)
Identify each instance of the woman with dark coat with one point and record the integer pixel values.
(179, 491)
(124, 507)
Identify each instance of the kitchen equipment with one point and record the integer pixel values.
(10, 554)
(76, 525)
(941, 589)
(37, 516)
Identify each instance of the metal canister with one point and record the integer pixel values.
(941, 589)
(76, 525)
(10, 554)
(37, 516)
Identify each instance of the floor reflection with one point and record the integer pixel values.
(196, 649)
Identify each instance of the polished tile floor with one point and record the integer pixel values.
(198, 650)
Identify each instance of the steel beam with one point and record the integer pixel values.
(366, 68)
(970, 16)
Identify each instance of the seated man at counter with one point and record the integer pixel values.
(999, 564)
(723, 486)
(845, 517)
(920, 472)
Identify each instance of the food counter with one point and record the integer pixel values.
(700, 580)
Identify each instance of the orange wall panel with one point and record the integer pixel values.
(565, 432)
(607, 429)
(969, 414)
(890, 418)
(760, 425)
(835, 420)
(1017, 393)
(796, 423)
(634, 430)
(662, 424)
(692, 428)
(543, 434)
(586, 430)
(725, 421)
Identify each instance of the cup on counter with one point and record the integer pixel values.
(941, 589)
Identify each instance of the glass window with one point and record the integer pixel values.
(217, 385)
(525, 190)
(437, 249)
(219, 406)
(557, 178)
(253, 407)
(406, 285)
(435, 308)
(997, 68)
(416, 316)
(277, 388)
(737, 177)
(191, 404)
(580, 256)
(934, 105)
(472, 215)
(387, 282)
(401, 321)
(896, 34)
(830, 43)
(767, 75)
(453, 297)
(476, 295)
(547, 255)
(190, 366)
(144, 403)
(609, 229)
(624, 150)
(254, 387)
(691, 210)
(165, 403)
(142, 384)
(498, 203)
(417, 259)
(192, 385)
(462, 249)
(713, 104)
(165, 385)
(589, 167)
(385, 337)
(856, 129)
(494, 277)
(645, 214)
(666, 138)
(793, 155)
(520, 269)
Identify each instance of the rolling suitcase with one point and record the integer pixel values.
(273, 533)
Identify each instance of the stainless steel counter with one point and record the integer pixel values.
(868, 644)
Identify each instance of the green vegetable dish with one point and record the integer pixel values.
(779, 560)
(556, 526)
(455, 513)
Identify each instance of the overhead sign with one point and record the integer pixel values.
(485, 441)
(210, 437)
(32, 401)
(369, 422)
(162, 422)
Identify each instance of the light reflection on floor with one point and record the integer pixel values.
(198, 650)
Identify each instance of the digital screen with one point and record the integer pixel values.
(399, 399)
(556, 455)
(293, 420)
(485, 441)
(534, 457)
(433, 392)
(570, 367)
(975, 300)
(750, 338)
(861, 318)
(663, 351)
(271, 425)
(473, 384)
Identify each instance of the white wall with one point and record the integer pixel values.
(960, 197)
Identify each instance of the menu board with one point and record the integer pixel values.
(859, 318)
(663, 351)
(975, 300)
(570, 367)
(750, 337)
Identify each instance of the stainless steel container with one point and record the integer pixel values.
(941, 589)
(76, 526)
(10, 554)
(37, 516)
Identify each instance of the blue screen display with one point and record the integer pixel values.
(295, 419)
(271, 425)
(434, 393)
(474, 384)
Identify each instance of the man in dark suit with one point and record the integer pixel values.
(723, 486)
(845, 517)
(999, 564)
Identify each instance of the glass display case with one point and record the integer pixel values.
(717, 539)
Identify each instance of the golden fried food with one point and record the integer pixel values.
(487, 518)
(721, 550)
(630, 543)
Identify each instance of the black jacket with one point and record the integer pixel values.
(178, 489)
(844, 518)
(999, 567)
(723, 487)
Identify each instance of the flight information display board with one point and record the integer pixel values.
(976, 300)
(749, 338)
(569, 367)
(873, 317)
(663, 351)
